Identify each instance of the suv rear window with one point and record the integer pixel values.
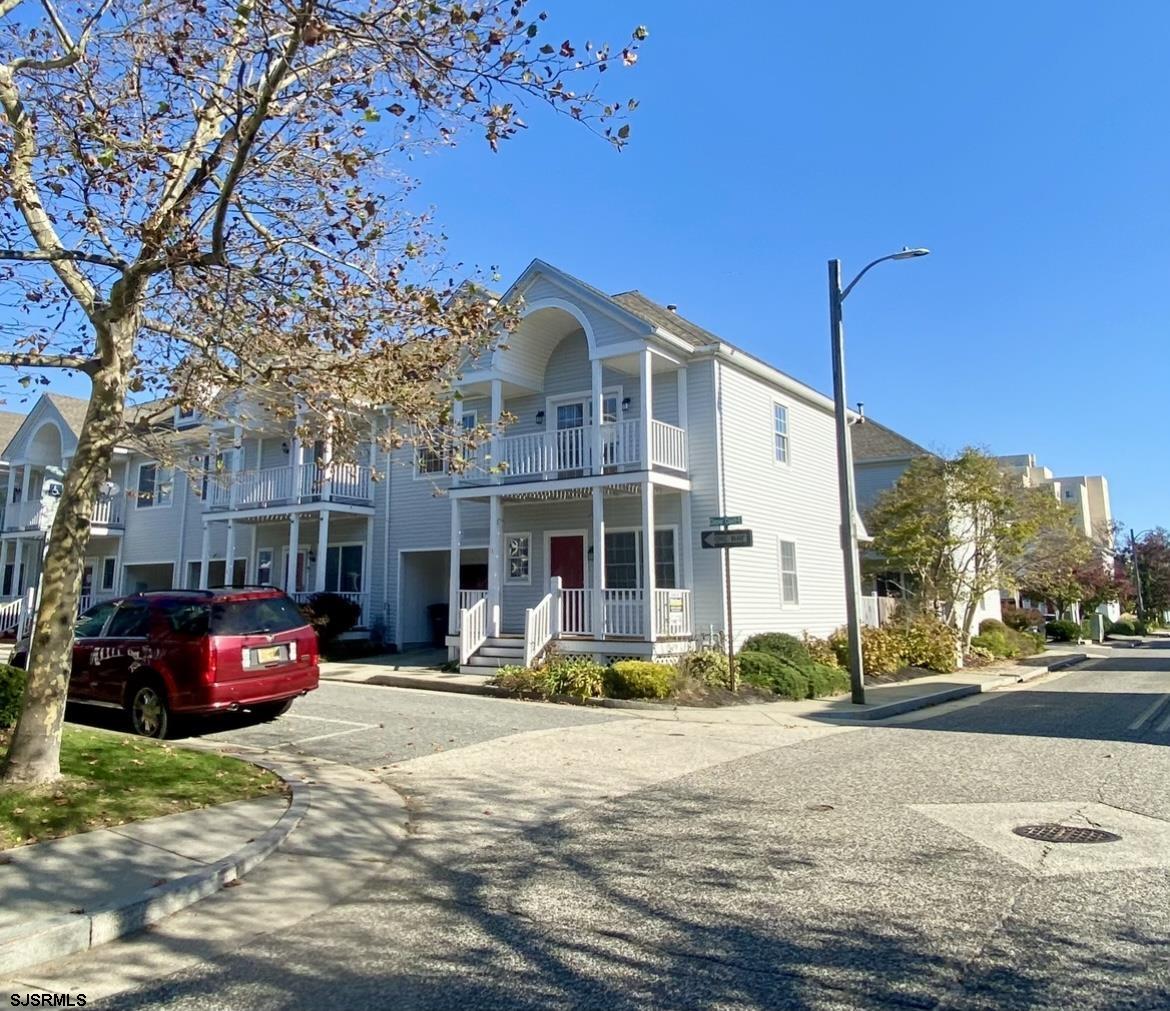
(250, 617)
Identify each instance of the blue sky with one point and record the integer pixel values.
(1024, 143)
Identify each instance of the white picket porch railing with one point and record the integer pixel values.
(672, 614)
(576, 611)
(10, 614)
(472, 628)
(624, 612)
(359, 597)
(542, 623)
(467, 598)
(107, 512)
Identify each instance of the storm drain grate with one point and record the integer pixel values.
(1054, 833)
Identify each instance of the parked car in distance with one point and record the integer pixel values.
(167, 653)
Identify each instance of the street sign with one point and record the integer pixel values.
(727, 538)
(726, 521)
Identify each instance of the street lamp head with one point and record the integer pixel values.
(909, 254)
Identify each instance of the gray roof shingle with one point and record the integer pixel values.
(10, 421)
(659, 315)
(872, 441)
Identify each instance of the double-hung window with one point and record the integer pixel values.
(155, 486)
(789, 584)
(519, 558)
(780, 433)
(623, 560)
(343, 568)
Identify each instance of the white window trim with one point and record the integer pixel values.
(138, 484)
(787, 434)
(271, 564)
(527, 581)
(780, 542)
(473, 414)
(184, 421)
(427, 475)
(102, 588)
(641, 554)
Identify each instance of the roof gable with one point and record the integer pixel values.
(873, 442)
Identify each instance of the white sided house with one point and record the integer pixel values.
(581, 524)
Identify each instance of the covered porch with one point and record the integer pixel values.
(302, 551)
(604, 562)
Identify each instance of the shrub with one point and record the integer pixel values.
(577, 675)
(521, 679)
(331, 615)
(1007, 642)
(11, 694)
(639, 679)
(766, 670)
(1063, 631)
(824, 679)
(1021, 618)
(929, 642)
(882, 650)
(820, 650)
(1127, 627)
(991, 625)
(780, 644)
(707, 666)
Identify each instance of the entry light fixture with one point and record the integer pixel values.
(625, 403)
(540, 417)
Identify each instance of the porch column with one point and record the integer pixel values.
(497, 409)
(495, 563)
(327, 465)
(457, 426)
(598, 563)
(453, 584)
(595, 451)
(365, 587)
(234, 473)
(681, 376)
(26, 493)
(204, 555)
(322, 551)
(229, 553)
(648, 558)
(295, 453)
(294, 544)
(646, 392)
(687, 579)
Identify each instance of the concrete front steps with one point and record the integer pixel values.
(496, 652)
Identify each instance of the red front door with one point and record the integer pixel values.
(566, 558)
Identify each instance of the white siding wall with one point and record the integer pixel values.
(794, 501)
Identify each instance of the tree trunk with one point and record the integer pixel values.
(34, 755)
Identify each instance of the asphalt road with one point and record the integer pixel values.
(869, 868)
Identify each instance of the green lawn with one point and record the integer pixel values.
(111, 779)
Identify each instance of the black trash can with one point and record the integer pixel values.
(438, 615)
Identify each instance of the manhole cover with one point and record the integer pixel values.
(1065, 834)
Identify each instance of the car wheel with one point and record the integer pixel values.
(149, 714)
(272, 710)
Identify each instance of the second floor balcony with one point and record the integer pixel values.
(261, 488)
(107, 512)
(574, 450)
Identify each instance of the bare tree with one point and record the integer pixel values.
(201, 197)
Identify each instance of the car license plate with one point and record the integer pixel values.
(269, 654)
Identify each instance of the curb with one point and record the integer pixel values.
(58, 936)
(1067, 661)
(903, 706)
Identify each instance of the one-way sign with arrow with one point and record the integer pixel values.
(727, 538)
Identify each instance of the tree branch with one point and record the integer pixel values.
(36, 360)
(56, 255)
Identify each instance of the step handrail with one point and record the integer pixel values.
(542, 623)
(472, 629)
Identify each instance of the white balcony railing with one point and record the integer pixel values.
(569, 451)
(107, 512)
(668, 446)
(576, 611)
(259, 488)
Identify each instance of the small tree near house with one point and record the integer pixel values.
(200, 198)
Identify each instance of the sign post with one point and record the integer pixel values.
(725, 540)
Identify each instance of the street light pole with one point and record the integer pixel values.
(847, 493)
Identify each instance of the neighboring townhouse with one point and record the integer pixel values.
(630, 427)
(880, 456)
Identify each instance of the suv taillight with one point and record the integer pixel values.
(209, 660)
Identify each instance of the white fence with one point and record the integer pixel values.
(668, 446)
(473, 629)
(876, 611)
(258, 488)
(107, 512)
(360, 598)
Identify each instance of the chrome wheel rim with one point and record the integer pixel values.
(148, 712)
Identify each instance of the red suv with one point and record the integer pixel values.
(171, 652)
